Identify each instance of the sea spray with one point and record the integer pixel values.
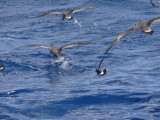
(65, 63)
(76, 22)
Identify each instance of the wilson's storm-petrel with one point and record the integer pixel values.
(66, 14)
(140, 26)
(57, 52)
(99, 72)
(2, 68)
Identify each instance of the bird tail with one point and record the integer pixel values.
(152, 32)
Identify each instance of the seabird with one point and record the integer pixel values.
(140, 26)
(66, 14)
(57, 52)
(2, 68)
(99, 72)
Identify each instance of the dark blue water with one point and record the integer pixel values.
(36, 88)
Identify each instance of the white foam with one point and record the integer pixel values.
(76, 22)
(61, 59)
(65, 65)
(95, 24)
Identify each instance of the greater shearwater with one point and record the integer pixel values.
(2, 68)
(57, 52)
(140, 26)
(66, 14)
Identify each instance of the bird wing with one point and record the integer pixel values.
(48, 13)
(153, 21)
(74, 45)
(152, 3)
(100, 63)
(119, 38)
(5, 60)
(37, 45)
(81, 9)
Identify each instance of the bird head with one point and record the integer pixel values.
(53, 48)
(140, 25)
(52, 45)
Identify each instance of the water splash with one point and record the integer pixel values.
(65, 65)
(61, 59)
(76, 22)
(95, 24)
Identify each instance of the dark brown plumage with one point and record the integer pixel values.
(57, 52)
(140, 26)
(66, 14)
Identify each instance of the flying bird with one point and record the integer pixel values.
(140, 26)
(66, 14)
(2, 68)
(99, 72)
(57, 52)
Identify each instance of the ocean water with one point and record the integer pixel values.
(38, 88)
